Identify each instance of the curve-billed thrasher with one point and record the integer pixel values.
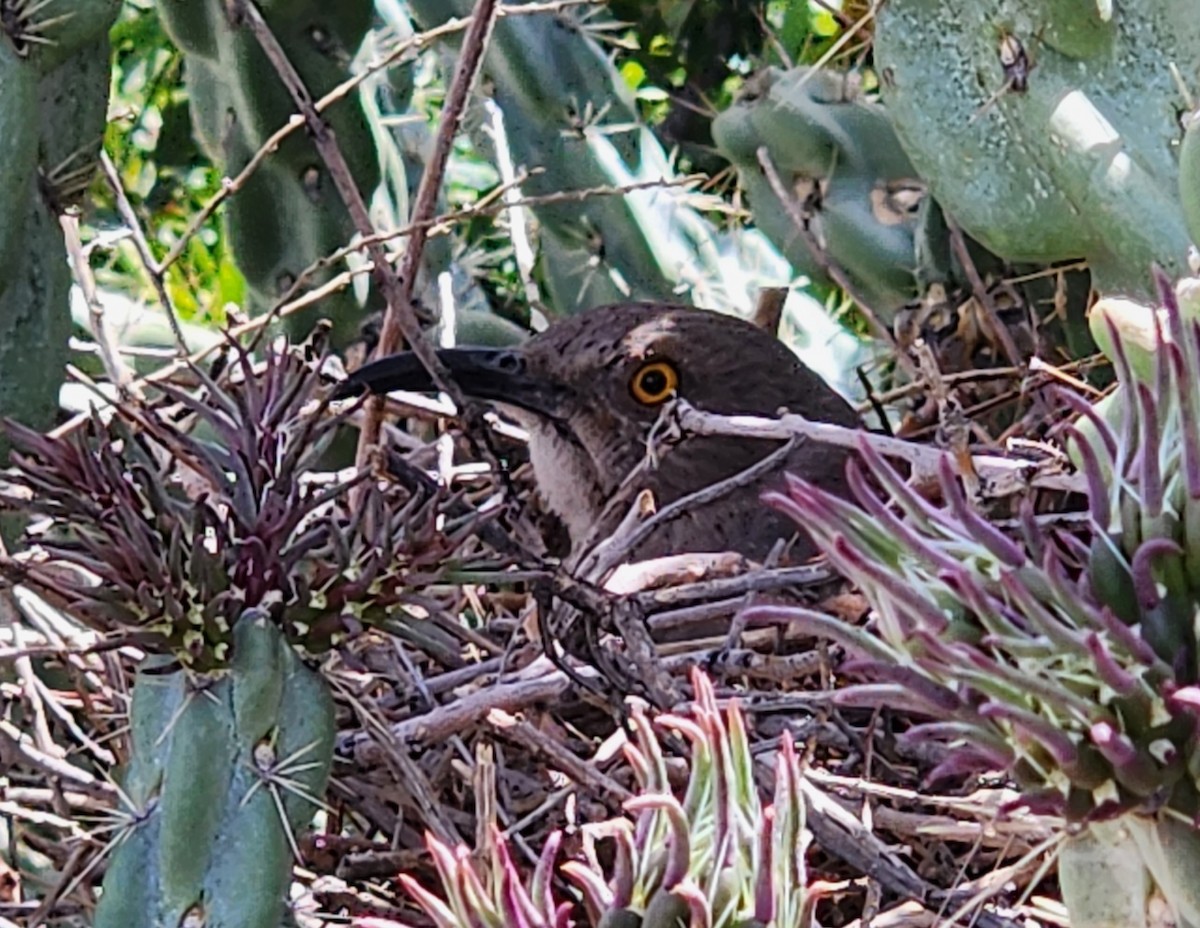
(589, 389)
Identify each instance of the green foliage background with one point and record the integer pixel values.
(681, 63)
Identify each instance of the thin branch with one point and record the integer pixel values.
(157, 277)
(494, 203)
(400, 319)
(1001, 476)
(979, 289)
(768, 311)
(107, 345)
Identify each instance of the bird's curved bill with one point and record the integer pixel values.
(497, 374)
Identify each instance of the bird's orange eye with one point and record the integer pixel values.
(654, 383)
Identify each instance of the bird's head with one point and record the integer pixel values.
(590, 388)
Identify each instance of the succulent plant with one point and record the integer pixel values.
(1048, 129)
(54, 61)
(182, 522)
(714, 857)
(195, 529)
(1066, 657)
(1189, 173)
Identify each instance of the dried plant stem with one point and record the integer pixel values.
(120, 373)
(400, 50)
(145, 254)
(1002, 476)
(400, 319)
(988, 306)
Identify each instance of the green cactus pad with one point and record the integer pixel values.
(1047, 130)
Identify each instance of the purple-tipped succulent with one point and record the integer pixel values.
(173, 519)
(715, 856)
(1066, 656)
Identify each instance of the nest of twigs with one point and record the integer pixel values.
(441, 670)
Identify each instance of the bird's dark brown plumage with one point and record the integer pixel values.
(582, 390)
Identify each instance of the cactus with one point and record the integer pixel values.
(1049, 130)
(1189, 174)
(839, 152)
(289, 214)
(177, 572)
(206, 546)
(570, 121)
(715, 857)
(54, 60)
(222, 773)
(1074, 663)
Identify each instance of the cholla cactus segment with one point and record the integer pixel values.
(1070, 660)
(714, 858)
(1011, 108)
(836, 151)
(179, 519)
(54, 71)
(288, 214)
(1189, 173)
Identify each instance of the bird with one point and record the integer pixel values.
(589, 389)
